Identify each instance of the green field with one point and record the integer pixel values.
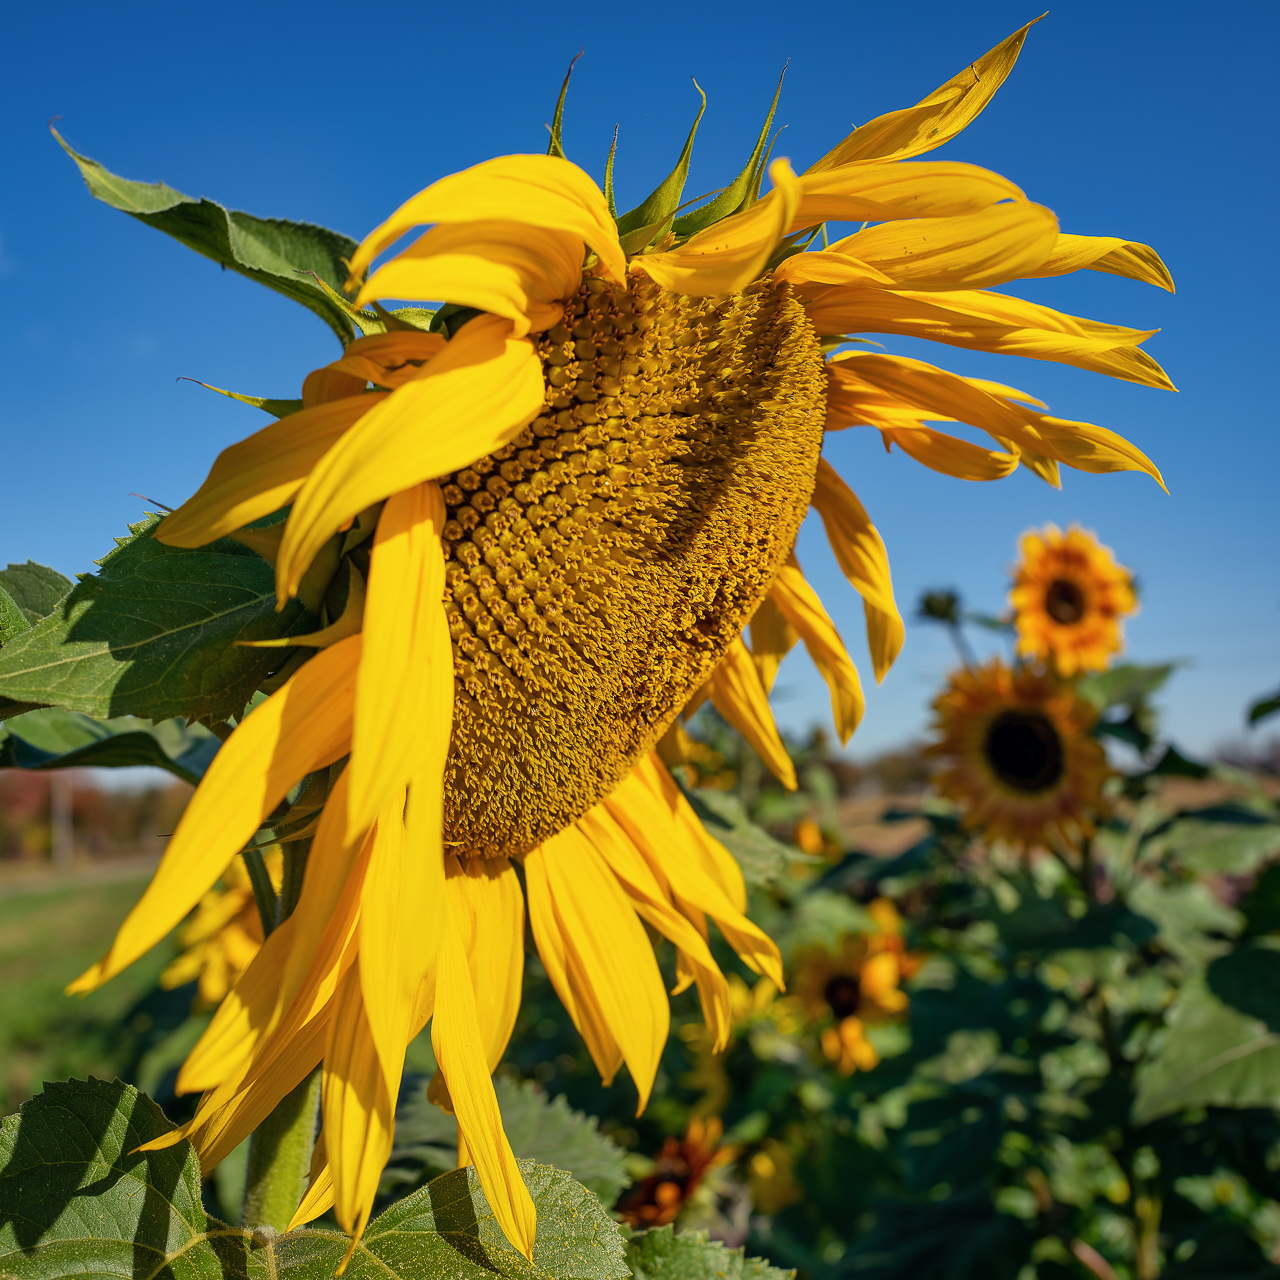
(49, 933)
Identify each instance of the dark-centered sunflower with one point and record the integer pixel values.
(553, 515)
(1069, 597)
(1017, 756)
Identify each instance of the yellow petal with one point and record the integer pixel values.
(305, 726)
(506, 268)
(386, 359)
(477, 394)
(459, 1048)
(348, 623)
(800, 605)
(1090, 448)
(404, 692)
(935, 119)
(319, 1197)
(984, 321)
(860, 552)
(772, 638)
(487, 908)
(538, 191)
(261, 474)
(739, 696)
(952, 456)
(731, 253)
(357, 1109)
(609, 965)
(702, 875)
(1005, 242)
(1107, 253)
(883, 192)
(651, 899)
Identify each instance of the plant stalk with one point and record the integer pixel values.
(280, 1158)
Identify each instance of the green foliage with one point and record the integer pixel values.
(77, 1197)
(542, 1129)
(761, 857)
(51, 738)
(660, 1254)
(156, 634)
(297, 259)
(34, 588)
(13, 622)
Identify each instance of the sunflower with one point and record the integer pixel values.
(1069, 596)
(218, 943)
(679, 1169)
(536, 533)
(855, 984)
(1017, 755)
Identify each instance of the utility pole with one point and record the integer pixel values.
(61, 829)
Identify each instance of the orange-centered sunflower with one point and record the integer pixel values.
(536, 531)
(1069, 597)
(1017, 756)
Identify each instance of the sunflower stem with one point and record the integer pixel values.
(280, 1158)
(264, 894)
(295, 865)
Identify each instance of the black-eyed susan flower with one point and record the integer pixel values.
(554, 516)
(1069, 598)
(1017, 757)
(855, 984)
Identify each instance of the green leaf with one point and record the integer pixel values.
(52, 738)
(1264, 707)
(740, 192)
(1124, 684)
(660, 1254)
(1214, 1056)
(1228, 848)
(290, 257)
(761, 857)
(13, 622)
(34, 588)
(539, 1128)
(155, 634)
(1188, 916)
(77, 1198)
(664, 200)
(1249, 980)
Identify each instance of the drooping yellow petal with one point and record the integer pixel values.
(860, 552)
(609, 965)
(539, 191)
(386, 359)
(347, 623)
(935, 119)
(304, 726)
(487, 908)
(477, 394)
(731, 253)
(319, 1196)
(357, 1108)
(404, 691)
(883, 192)
(702, 875)
(739, 696)
(650, 897)
(799, 603)
(458, 1042)
(772, 638)
(1107, 253)
(984, 321)
(1002, 243)
(1091, 448)
(505, 268)
(260, 475)
(951, 455)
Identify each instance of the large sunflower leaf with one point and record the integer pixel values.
(52, 738)
(34, 588)
(155, 633)
(277, 253)
(78, 1198)
(660, 1254)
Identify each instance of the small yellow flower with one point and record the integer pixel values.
(1069, 597)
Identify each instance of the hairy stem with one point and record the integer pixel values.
(280, 1158)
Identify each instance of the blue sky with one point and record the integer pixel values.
(1153, 121)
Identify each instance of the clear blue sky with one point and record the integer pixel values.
(1153, 121)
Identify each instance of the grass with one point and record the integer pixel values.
(48, 935)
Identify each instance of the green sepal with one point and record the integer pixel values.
(276, 408)
(34, 588)
(608, 176)
(739, 193)
(665, 199)
(280, 254)
(155, 634)
(556, 145)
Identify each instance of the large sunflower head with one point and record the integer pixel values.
(1017, 757)
(534, 531)
(1069, 597)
